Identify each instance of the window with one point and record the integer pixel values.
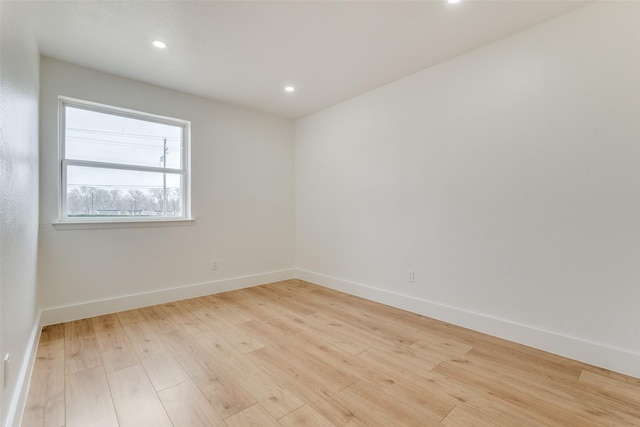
(121, 165)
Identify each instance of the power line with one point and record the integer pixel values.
(118, 186)
(139, 135)
(119, 144)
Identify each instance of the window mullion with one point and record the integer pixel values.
(120, 166)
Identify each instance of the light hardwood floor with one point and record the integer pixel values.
(296, 354)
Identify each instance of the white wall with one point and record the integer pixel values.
(18, 204)
(242, 200)
(507, 178)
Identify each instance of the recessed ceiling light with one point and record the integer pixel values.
(159, 44)
(289, 89)
(453, 1)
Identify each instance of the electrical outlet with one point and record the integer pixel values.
(411, 277)
(5, 370)
(214, 265)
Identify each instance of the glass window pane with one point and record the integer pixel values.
(99, 192)
(101, 137)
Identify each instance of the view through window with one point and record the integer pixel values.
(122, 165)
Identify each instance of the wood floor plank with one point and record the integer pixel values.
(620, 390)
(281, 303)
(400, 362)
(143, 338)
(116, 349)
(479, 407)
(388, 328)
(563, 395)
(614, 376)
(255, 416)
(88, 400)
(45, 405)
(293, 353)
(135, 399)
(317, 346)
(80, 346)
(432, 401)
(328, 403)
(158, 320)
(270, 331)
(334, 408)
(233, 334)
(540, 364)
(130, 316)
(305, 416)
(163, 369)
(438, 348)
(545, 411)
(338, 326)
(219, 387)
(403, 387)
(293, 287)
(244, 303)
(500, 346)
(335, 333)
(52, 332)
(463, 416)
(303, 364)
(187, 407)
(181, 314)
(367, 413)
(222, 308)
(387, 407)
(273, 396)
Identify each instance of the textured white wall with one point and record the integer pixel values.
(507, 178)
(18, 200)
(242, 198)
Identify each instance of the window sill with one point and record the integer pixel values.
(97, 225)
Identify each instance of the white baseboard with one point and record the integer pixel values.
(597, 354)
(51, 316)
(19, 398)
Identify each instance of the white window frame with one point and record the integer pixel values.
(64, 163)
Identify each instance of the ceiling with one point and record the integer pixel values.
(244, 52)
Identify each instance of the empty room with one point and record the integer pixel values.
(319, 213)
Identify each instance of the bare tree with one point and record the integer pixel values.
(157, 196)
(87, 197)
(173, 201)
(114, 199)
(138, 200)
(74, 201)
(101, 199)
